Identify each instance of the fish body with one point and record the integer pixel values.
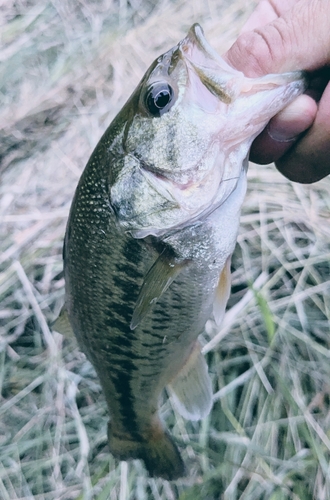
(150, 234)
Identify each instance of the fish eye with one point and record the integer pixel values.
(159, 97)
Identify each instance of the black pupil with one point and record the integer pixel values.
(162, 99)
(158, 98)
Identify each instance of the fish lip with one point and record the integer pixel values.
(197, 219)
(196, 36)
(170, 188)
(159, 174)
(150, 168)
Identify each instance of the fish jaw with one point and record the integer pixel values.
(222, 80)
(188, 160)
(243, 105)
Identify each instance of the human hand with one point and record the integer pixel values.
(288, 35)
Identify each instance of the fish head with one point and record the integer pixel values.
(185, 135)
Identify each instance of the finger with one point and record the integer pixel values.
(284, 130)
(299, 39)
(266, 12)
(309, 159)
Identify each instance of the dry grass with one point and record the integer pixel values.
(66, 69)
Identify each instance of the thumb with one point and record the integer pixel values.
(299, 39)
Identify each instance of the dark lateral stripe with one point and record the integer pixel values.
(119, 313)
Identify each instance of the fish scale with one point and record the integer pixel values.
(124, 275)
(150, 234)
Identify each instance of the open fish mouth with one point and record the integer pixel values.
(224, 81)
(215, 74)
(195, 39)
(199, 137)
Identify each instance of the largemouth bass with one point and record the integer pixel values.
(151, 231)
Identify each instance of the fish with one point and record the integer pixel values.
(150, 235)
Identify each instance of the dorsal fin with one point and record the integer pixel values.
(156, 282)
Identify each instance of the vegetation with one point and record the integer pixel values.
(66, 69)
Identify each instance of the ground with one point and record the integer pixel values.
(66, 69)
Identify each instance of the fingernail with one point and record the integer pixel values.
(282, 134)
(292, 120)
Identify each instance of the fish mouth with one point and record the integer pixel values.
(196, 197)
(214, 73)
(196, 39)
(189, 178)
(221, 79)
(162, 177)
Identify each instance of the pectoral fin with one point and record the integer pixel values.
(62, 324)
(156, 282)
(222, 293)
(191, 390)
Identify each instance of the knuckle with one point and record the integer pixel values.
(261, 51)
(253, 53)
